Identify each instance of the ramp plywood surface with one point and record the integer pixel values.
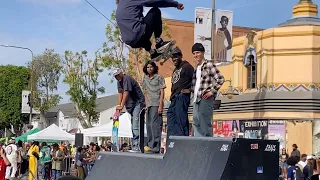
(185, 160)
(191, 158)
(300, 133)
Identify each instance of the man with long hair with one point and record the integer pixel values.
(136, 30)
(153, 85)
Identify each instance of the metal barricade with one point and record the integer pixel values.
(68, 166)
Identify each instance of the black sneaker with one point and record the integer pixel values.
(154, 54)
(161, 45)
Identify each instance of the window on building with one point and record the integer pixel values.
(252, 73)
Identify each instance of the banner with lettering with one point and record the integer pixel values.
(225, 128)
(254, 129)
(203, 28)
(277, 131)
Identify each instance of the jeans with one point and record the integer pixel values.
(153, 23)
(202, 118)
(44, 170)
(136, 117)
(56, 174)
(154, 128)
(177, 116)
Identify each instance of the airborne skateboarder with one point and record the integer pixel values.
(136, 30)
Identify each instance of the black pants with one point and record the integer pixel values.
(154, 128)
(153, 23)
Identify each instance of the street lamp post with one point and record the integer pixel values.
(212, 28)
(31, 81)
(230, 93)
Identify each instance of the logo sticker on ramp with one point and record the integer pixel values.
(259, 170)
(270, 148)
(254, 146)
(224, 147)
(171, 145)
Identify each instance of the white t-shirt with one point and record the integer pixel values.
(11, 151)
(197, 85)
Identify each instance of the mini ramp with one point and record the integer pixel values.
(193, 158)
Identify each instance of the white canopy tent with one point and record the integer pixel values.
(52, 132)
(106, 129)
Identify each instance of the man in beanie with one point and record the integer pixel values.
(206, 82)
(177, 115)
(130, 96)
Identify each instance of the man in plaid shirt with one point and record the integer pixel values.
(206, 82)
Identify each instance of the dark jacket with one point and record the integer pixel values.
(129, 17)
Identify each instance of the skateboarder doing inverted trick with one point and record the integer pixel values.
(136, 30)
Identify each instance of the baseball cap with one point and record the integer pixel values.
(116, 72)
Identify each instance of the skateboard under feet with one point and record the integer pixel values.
(166, 54)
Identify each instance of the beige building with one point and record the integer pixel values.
(276, 74)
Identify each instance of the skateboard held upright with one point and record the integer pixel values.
(141, 129)
(115, 132)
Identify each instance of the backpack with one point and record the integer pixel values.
(299, 174)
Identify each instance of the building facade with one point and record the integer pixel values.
(275, 73)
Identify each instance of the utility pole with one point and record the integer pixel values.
(31, 77)
(213, 28)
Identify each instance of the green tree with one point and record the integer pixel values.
(81, 75)
(46, 74)
(13, 79)
(113, 55)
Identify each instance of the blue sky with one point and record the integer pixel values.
(74, 25)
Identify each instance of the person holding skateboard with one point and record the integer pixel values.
(130, 96)
(153, 85)
(136, 30)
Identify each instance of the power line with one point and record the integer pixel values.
(101, 13)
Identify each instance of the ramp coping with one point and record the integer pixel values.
(134, 154)
(201, 138)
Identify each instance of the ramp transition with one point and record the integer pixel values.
(193, 158)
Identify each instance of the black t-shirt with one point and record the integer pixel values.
(135, 92)
(315, 177)
(181, 78)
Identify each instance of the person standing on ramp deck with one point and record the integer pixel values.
(154, 86)
(206, 82)
(177, 115)
(136, 30)
(130, 95)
